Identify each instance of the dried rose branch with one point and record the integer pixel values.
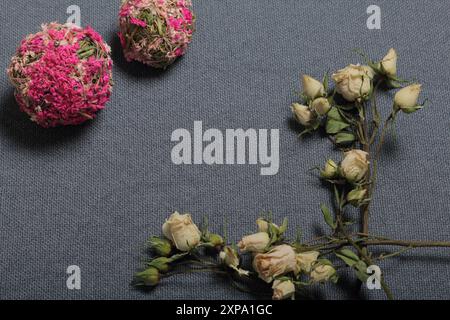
(354, 180)
(285, 268)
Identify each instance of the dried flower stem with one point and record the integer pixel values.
(361, 242)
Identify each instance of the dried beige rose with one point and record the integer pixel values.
(302, 114)
(355, 165)
(322, 273)
(406, 98)
(229, 257)
(180, 229)
(257, 242)
(278, 261)
(312, 88)
(389, 63)
(283, 289)
(354, 82)
(321, 106)
(305, 260)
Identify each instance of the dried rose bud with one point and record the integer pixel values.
(149, 277)
(330, 170)
(389, 63)
(257, 242)
(214, 239)
(312, 88)
(406, 99)
(264, 225)
(303, 115)
(161, 263)
(305, 260)
(321, 106)
(229, 257)
(356, 196)
(322, 273)
(283, 289)
(160, 247)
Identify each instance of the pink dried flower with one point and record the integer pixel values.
(62, 75)
(138, 22)
(122, 39)
(165, 29)
(179, 52)
(187, 14)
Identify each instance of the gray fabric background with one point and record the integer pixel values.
(91, 195)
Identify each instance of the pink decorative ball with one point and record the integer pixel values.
(156, 32)
(62, 75)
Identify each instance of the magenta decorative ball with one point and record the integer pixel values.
(156, 32)
(62, 75)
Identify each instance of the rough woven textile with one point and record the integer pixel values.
(91, 195)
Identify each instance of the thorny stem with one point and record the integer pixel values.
(365, 207)
(366, 143)
(368, 260)
(378, 152)
(405, 243)
(350, 241)
(366, 147)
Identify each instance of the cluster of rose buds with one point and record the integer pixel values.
(279, 264)
(352, 170)
(275, 262)
(355, 84)
(181, 235)
(62, 75)
(342, 119)
(155, 32)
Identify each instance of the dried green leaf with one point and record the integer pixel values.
(350, 254)
(345, 138)
(348, 261)
(361, 271)
(283, 226)
(327, 216)
(334, 126)
(334, 114)
(325, 81)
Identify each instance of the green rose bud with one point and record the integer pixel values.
(356, 196)
(161, 263)
(149, 277)
(266, 226)
(322, 273)
(330, 170)
(161, 247)
(214, 239)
